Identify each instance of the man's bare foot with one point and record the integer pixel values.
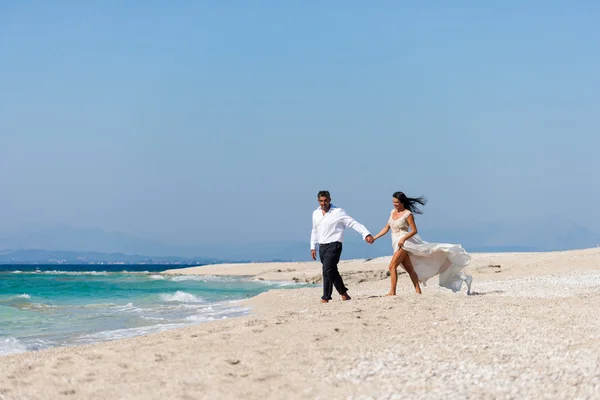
(324, 301)
(346, 296)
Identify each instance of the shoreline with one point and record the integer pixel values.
(509, 339)
(198, 309)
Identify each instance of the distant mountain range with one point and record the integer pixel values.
(60, 242)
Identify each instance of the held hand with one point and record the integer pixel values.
(313, 253)
(401, 243)
(369, 239)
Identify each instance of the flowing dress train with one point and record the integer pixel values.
(431, 259)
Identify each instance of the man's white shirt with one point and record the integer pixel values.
(330, 227)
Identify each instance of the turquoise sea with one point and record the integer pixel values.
(49, 306)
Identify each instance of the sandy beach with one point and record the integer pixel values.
(530, 330)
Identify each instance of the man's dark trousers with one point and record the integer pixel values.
(330, 257)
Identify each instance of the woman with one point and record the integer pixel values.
(420, 259)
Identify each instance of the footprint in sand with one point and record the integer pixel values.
(265, 378)
(90, 377)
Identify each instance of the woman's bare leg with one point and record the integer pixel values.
(445, 265)
(407, 265)
(402, 257)
(396, 260)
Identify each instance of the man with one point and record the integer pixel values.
(329, 223)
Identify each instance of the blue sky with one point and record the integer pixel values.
(217, 122)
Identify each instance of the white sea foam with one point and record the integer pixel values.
(23, 296)
(152, 318)
(183, 278)
(196, 307)
(129, 307)
(57, 272)
(199, 318)
(99, 305)
(219, 311)
(181, 297)
(42, 306)
(11, 345)
(157, 277)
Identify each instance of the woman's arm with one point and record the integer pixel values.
(385, 230)
(413, 230)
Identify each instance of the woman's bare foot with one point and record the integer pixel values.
(346, 296)
(390, 294)
(418, 289)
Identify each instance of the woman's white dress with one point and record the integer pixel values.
(430, 259)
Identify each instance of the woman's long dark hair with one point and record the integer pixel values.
(410, 203)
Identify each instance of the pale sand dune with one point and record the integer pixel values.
(532, 331)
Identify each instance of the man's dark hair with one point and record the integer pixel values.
(324, 193)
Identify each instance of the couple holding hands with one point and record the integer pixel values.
(420, 259)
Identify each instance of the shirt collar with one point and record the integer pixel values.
(330, 209)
